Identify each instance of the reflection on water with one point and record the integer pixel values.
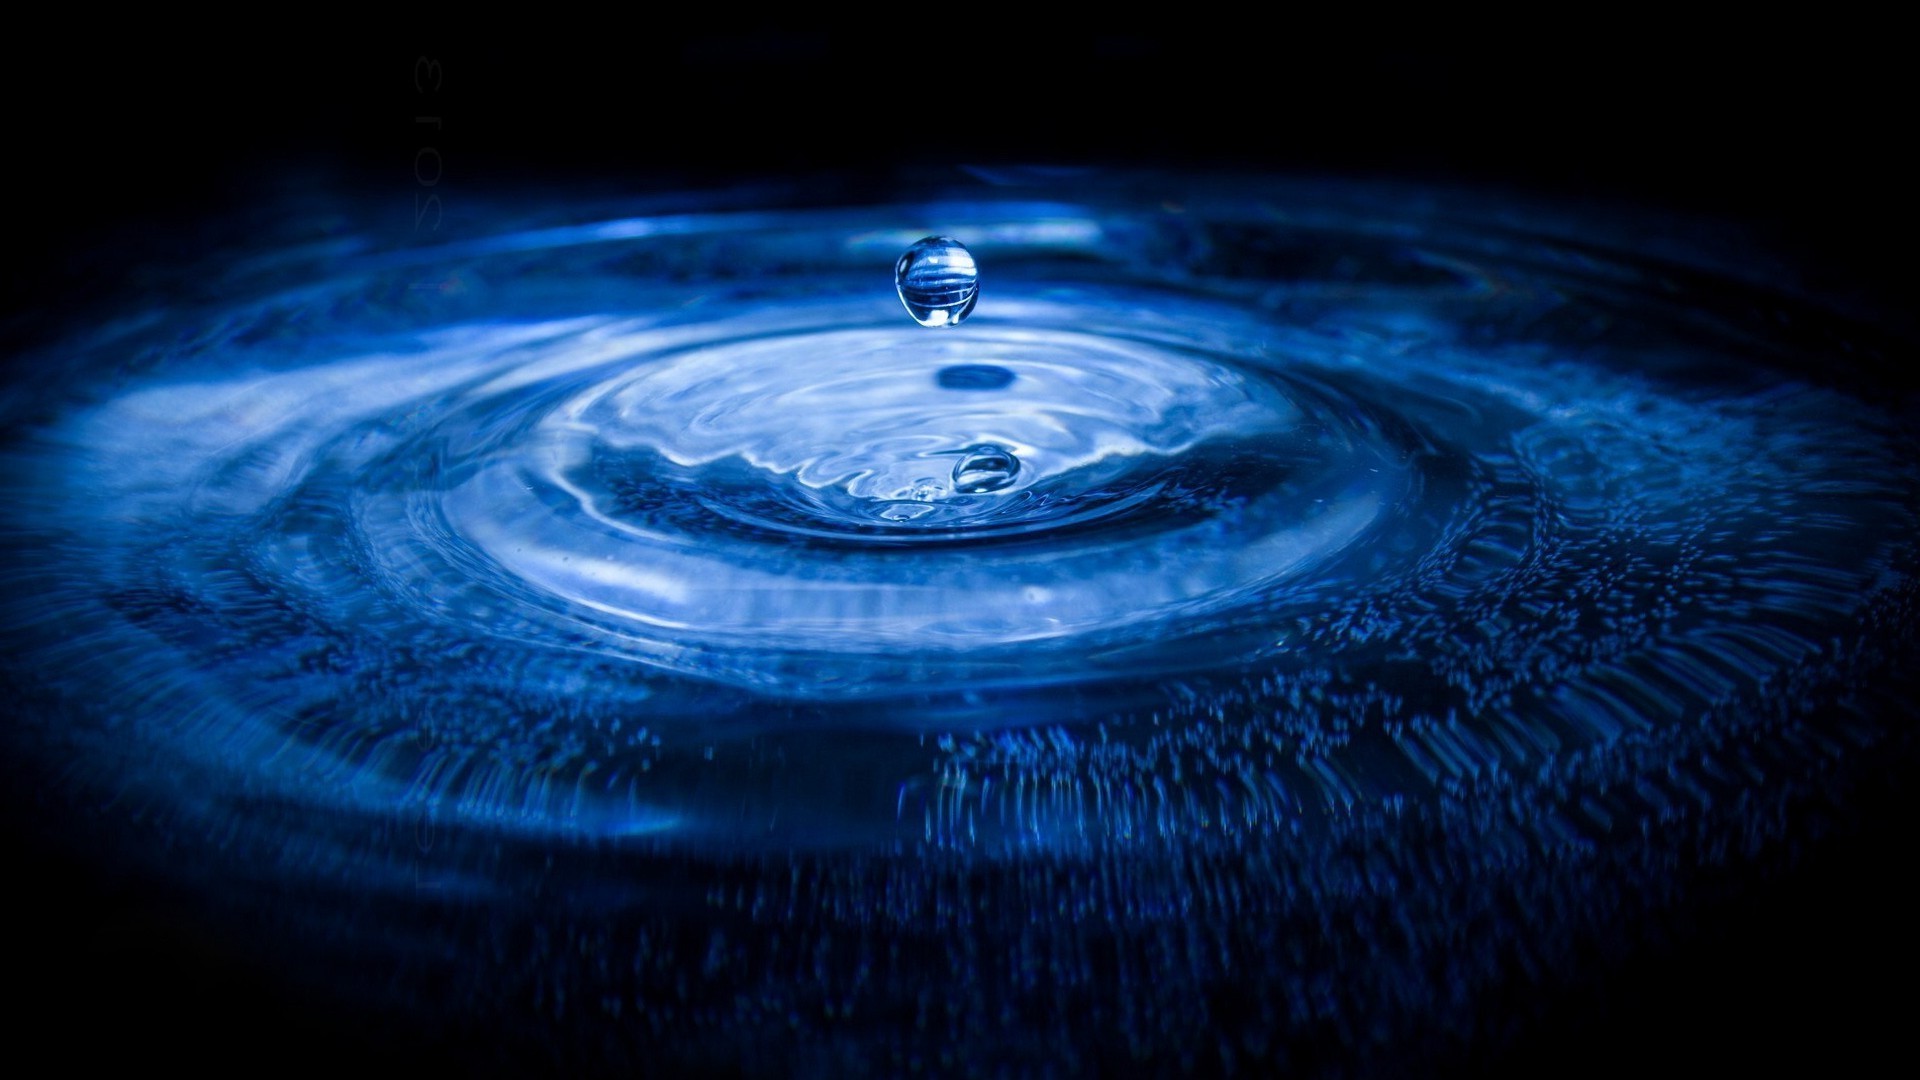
(1292, 618)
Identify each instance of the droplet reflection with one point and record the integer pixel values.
(974, 377)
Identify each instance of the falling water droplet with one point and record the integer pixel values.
(937, 281)
(985, 468)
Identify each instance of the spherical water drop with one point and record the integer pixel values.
(985, 468)
(937, 281)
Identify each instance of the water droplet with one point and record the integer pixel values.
(974, 377)
(937, 281)
(985, 468)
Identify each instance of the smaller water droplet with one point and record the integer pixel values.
(985, 468)
(938, 281)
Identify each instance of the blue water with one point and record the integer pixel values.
(631, 627)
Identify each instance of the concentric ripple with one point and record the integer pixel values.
(1265, 527)
(822, 494)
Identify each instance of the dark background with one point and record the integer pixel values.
(1798, 128)
(1799, 131)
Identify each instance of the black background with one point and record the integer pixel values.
(1798, 130)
